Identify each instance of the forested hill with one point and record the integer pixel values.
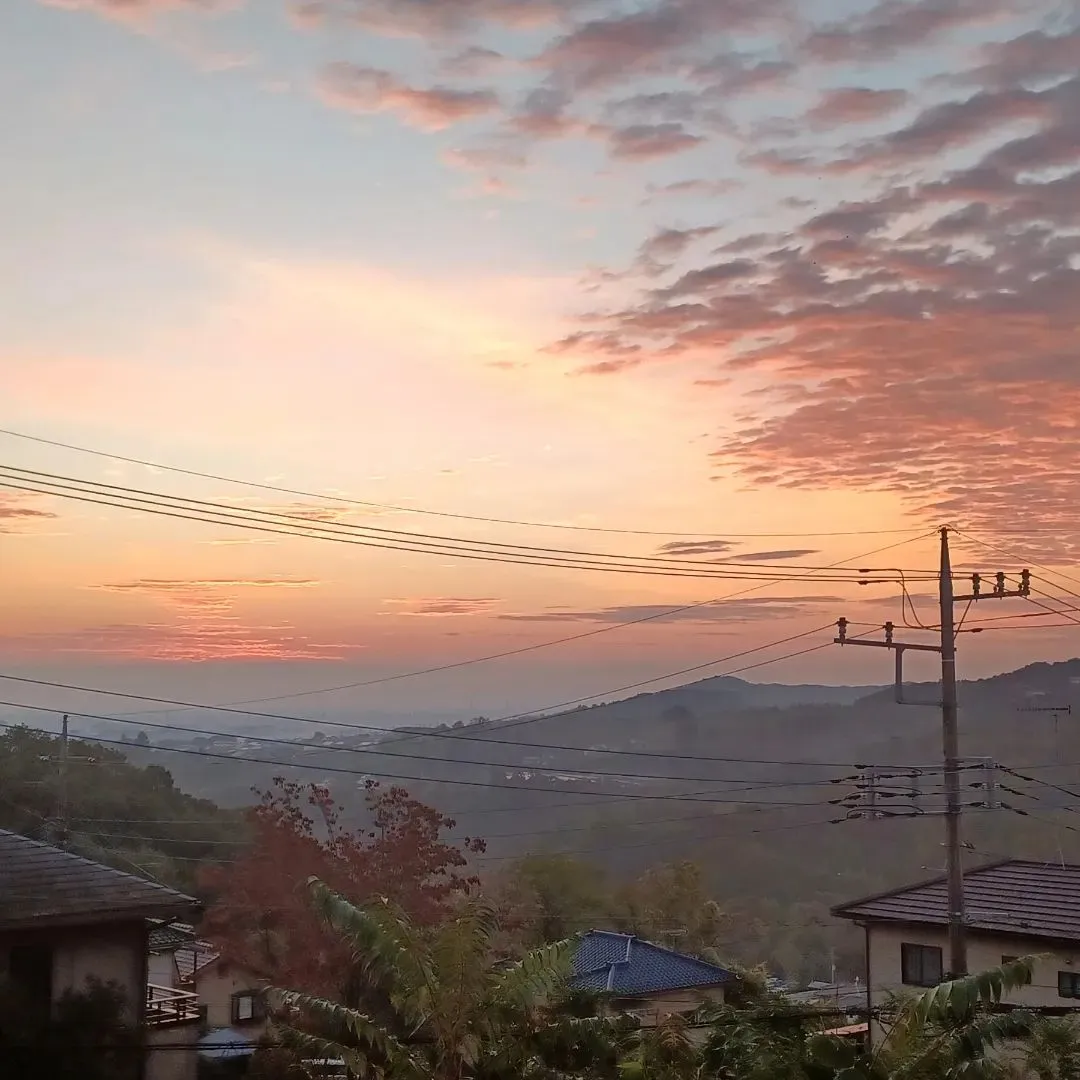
(133, 818)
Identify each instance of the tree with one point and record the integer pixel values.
(86, 1038)
(1053, 1050)
(545, 898)
(435, 1004)
(948, 1033)
(673, 898)
(261, 918)
(121, 814)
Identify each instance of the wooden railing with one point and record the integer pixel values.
(164, 1005)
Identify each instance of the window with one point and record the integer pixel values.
(248, 1007)
(920, 965)
(1069, 984)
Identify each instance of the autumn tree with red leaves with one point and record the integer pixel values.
(262, 920)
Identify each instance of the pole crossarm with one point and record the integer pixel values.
(946, 649)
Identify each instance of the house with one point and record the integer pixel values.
(646, 980)
(65, 921)
(231, 1001)
(1012, 908)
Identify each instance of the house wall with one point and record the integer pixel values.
(172, 1052)
(215, 984)
(110, 952)
(984, 951)
(656, 1007)
(161, 969)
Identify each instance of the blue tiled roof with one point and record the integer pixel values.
(626, 965)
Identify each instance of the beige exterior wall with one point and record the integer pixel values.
(984, 951)
(215, 984)
(178, 1058)
(111, 952)
(161, 969)
(656, 1007)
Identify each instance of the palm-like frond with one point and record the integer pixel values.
(440, 1009)
(960, 997)
(538, 976)
(376, 1044)
(385, 947)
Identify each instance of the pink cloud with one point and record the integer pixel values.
(653, 39)
(135, 9)
(17, 511)
(921, 340)
(442, 606)
(369, 90)
(893, 26)
(446, 18)
(179, 644)
(205, 596)
(648, 142)
(855, 105)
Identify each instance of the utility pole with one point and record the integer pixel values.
(950, 745)
(62, 796)
(950, 734)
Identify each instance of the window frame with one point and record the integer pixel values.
(1071, 979)
(257, 1002)
(913, 957)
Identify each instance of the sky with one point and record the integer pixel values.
(787, 281)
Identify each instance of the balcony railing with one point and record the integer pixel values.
(164, 1005)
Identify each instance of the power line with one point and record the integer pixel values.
(436, 513)
(307, 523)
(1021, 559)
(367, 753)
(529, 716)
(538, 645)
(166, 506)
(387, 776)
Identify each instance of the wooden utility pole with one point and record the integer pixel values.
(62, 794)
(950, 733)
(950, 746)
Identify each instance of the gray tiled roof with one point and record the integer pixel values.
(1011, 897)
(193, 958)
(40, 883)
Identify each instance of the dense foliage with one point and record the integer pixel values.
(129, 817)
(261, 919)
(436, 1003)
(86, 1038)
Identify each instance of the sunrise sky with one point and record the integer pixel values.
(751, 270)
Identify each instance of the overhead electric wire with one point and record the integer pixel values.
(308, 530)
(302, 521)
(635, 796)
(1052, 610)
(532, 715)
(1036, 780)
(435, 513)
(1023, 560)
(653, 616)
(370, 752)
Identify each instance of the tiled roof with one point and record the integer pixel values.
(39, 883)
(189, 953)
(168, 937)
(194, 957)
(627, 965)
(1012, 897)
